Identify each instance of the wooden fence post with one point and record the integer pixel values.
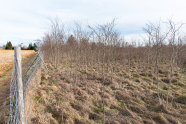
(18, 79)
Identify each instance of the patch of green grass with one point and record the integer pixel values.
(37, 98)
(98, 109)
(145, 78)
(178, 84)
(162, 93)
(113, 110)
(122, 104)
(76, 105)
(59, 101)
(99, 122)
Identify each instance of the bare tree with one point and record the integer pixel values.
(54, 41)
(173, 43)
(108, 38)
(158, 38)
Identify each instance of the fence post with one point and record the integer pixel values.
(18, 79)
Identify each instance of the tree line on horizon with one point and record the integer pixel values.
(31, 46)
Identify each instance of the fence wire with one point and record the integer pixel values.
(31, 71)
(29, 74)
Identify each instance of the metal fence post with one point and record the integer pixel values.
(18, 79)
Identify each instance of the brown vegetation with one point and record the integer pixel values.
(5, 83)
(95, 76)
(7, 59)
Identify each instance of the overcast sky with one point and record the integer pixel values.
(27, 20)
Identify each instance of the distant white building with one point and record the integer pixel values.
(23, 46)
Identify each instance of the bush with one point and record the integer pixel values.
(9, 46)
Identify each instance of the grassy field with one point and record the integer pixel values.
(74, 94)
(6, 63)
(7, 59)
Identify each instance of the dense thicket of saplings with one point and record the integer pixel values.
(103, 45)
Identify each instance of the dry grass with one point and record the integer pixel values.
(7, 59)
(5, 81)
(75, 95)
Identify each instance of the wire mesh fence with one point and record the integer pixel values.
(14, 114)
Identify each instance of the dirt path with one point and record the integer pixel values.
(4, 96)
(5, 90)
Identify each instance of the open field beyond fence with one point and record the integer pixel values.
(6, 63)
(7, 59)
